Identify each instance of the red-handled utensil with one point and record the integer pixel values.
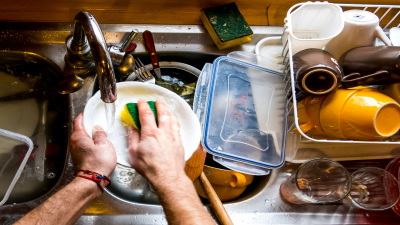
(148, 37)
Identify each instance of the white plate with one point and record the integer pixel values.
(131, 91)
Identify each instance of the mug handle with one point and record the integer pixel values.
(308, 125)
(304, 127)
(381, 35)
(355, 79)
(240, 180)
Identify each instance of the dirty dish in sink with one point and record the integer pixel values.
(94, 114)
(177, 77)
(227, 184)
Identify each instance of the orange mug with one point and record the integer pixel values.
(308, 111)
(227, 184)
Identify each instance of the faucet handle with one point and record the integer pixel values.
(129, 40)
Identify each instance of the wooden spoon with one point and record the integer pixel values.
(194, 169)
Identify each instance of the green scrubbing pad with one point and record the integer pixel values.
(130, 114)
(228, 22)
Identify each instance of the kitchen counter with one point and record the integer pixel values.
(261, 205)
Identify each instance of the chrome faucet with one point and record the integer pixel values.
(87, 46)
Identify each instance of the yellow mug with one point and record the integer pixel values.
(391, 90)
(308, 111)
(359, 113)
(227, 184)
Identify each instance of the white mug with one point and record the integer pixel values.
(361, 28)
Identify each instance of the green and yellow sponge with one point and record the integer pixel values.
(130, 114)
(226, 25)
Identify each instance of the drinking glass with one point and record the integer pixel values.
(373, 189)
(393, 168)
(317, 181)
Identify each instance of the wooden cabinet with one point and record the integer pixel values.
(256, 12)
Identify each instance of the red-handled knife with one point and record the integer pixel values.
(148, 37)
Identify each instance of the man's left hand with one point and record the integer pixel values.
(97, 155)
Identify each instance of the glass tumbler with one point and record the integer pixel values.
(373, 189)
(317, 181)
(393, 168)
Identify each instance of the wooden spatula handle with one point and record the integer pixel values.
(215, 201)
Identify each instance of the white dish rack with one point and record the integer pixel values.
(292, 102)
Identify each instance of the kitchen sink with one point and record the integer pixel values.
(139, 190)
(190, 44)
(37, 77)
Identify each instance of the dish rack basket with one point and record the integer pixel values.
(387, 16)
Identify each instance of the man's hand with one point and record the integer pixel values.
(97, 155)
(68, 204)
(157, 152)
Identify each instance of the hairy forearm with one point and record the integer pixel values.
(181, 203)
(66, 206)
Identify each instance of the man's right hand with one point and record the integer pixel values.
(157, 152)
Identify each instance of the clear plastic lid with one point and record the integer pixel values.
(15, 150)
(245, 114)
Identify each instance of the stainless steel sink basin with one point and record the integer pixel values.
(46, 164)
(261, 203)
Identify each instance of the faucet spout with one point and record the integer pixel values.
(87, 34)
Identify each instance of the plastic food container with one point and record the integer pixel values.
(244, 117)
(15, 150)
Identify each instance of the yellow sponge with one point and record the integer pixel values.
(226, 25)
(130, 114)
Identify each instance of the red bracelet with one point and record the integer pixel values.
(95, 177)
